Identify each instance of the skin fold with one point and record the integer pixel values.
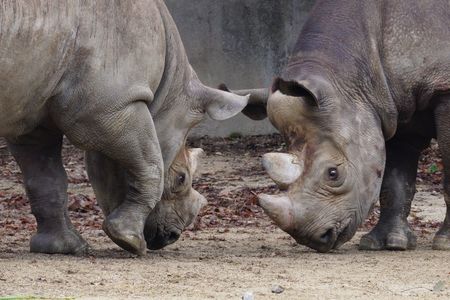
(113, 77)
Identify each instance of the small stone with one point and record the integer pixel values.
(277, 289)
(248, 296)
(439, 286)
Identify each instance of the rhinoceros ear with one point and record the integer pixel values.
(220, 105)
(293, 88)
(257, 104)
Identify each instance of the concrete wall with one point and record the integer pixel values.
(243, 43)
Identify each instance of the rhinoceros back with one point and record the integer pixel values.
(35, 41)
(56, 47)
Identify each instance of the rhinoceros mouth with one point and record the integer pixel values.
(336, 237)
(344, 235)
(162, 240)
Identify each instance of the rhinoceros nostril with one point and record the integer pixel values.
(327, 237)
(173, 236)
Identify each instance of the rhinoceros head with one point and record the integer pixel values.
(333, 170)
(180, 203)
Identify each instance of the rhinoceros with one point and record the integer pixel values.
(365, 90)
(113, 77)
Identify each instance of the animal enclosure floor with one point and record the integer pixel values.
(231, 249)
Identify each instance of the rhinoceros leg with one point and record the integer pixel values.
(442, 117)
(107, 179)
(39, 157)
(122, 129)
(397, 192)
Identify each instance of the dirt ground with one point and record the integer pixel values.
(231, 250)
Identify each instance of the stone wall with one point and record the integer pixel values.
(243, 43)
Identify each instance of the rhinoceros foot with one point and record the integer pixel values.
(388, 236)
(442, 239)
(64, 242)
(120, 230)
(441, 242)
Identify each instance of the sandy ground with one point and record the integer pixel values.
(225, 261)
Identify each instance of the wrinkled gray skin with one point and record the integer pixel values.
(179, 204)
(367, 87)
(114, 78)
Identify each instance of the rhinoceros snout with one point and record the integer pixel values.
(322, 242)
(331, 238)
(162, 240)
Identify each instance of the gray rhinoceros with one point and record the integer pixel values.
(367, 87)
(114, 78)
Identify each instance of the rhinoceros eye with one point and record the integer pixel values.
(333, 174)
(181, 178)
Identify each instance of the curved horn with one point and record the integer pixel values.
(194, 155)
(279, 209)
(281, 167)
(256, 107)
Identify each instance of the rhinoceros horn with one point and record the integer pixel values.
(282, 168)
(278, 208)
(256, 108)
(194, 155)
